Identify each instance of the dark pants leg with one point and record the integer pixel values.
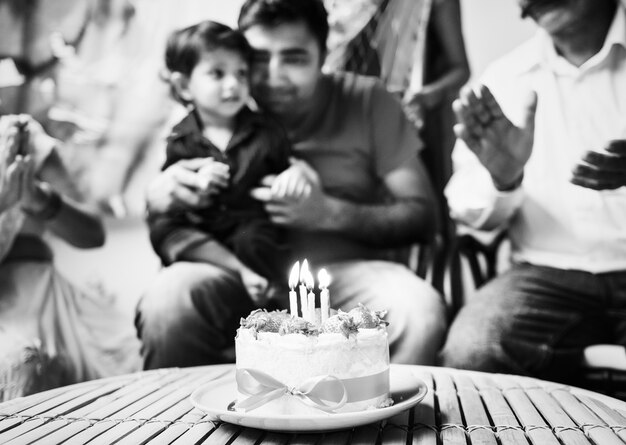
(189, 316)
(260, 245)
(531, 320)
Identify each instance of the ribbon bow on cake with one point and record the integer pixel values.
(327, 393)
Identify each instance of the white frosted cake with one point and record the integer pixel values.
(287, 365)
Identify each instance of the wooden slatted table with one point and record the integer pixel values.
(461, 407)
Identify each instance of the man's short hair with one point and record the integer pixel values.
(185, 46)
(272, 13)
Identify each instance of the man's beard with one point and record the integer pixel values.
(533, 8)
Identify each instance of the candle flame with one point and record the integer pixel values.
(323, 279)
(303, 271)
(293, 276)
(308, 279)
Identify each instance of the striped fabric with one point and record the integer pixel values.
(389, 43)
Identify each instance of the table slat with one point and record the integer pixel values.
(564, 428)
(611, 417)
(502, 417)
(591, 424)
(473, 411)
(197, 432)
(452, 426)
(67, 408)
(334, 438)
(537, 430)
(222, 434)
(424, 420)
(136, 409)
(366, 434)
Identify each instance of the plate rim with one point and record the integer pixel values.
(354, 418)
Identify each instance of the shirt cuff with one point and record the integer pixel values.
(502, 207)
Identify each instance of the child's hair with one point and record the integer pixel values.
(185, 46)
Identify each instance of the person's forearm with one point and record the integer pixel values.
(449, 83)
(65, 219)
(399, 223)
(77, 227)
(213, 252)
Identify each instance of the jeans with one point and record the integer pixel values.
(537, 321)
(190, 313)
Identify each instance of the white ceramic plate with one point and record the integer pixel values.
(214, 398)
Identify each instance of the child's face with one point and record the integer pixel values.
(218, 84)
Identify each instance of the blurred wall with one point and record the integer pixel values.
(492, 28)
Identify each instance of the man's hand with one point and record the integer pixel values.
(180, 186)
(604, 170)
(500, 146)
(216, 174)
(293, 182)
(307, 211)
(256, 285)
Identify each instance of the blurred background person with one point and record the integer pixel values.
(90, 76)
(416, 47)
(73, 335)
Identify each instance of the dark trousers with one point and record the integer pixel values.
(262, 247)
(537, 321)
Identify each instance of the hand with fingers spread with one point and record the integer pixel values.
(501, 147)
(180, 186)
(602, 170)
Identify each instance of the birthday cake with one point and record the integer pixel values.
(322, 361)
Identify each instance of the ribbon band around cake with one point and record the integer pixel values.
(327, 393)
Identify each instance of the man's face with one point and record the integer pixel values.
(285, 68)
(556, 16)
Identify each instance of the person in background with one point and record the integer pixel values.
(542, 153)
(396, 40)
(368, 193)
(88, 72)
(208, 67)
(74, 335)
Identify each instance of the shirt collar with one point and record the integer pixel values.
(547, 54)
(191, 126)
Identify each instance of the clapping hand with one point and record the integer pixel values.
(15, 169)
(500, 146)
(602, 170)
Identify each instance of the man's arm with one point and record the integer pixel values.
(409, 216)
(176, 189)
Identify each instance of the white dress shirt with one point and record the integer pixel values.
(551, 221)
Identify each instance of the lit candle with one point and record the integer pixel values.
(303, 297)
(293, 282)
(310, 284)
(324, 281)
